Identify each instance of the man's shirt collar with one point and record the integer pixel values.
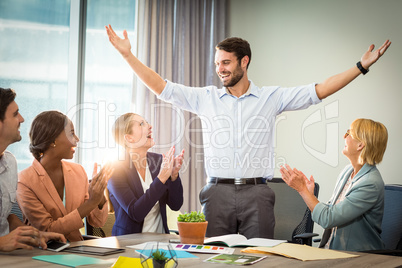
(252, 90)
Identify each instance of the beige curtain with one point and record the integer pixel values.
(177, 39)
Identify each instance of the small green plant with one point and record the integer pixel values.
(193, 216)
(159, 255)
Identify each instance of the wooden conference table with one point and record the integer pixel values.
(23, 258)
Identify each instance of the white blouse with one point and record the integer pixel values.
(153, 221)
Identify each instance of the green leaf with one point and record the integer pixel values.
(194, 216)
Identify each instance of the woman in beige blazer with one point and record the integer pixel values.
(54, 195)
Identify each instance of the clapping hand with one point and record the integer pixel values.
(170, 165)
(296, 179)
(177, 163)
(98, 184)
(167, 165)
(310, 183)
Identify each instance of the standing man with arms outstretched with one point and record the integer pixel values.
(13, 233)
(238, 123)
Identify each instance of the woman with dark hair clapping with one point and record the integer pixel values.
(53, 194)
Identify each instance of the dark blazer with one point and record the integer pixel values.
(131, 204)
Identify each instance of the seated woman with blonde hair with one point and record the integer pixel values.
(353, 216)
(144, 182)
(54, 195)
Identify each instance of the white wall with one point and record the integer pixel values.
(297, 42)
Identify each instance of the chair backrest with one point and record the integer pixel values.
(292, 217)
(104, 231)
(107, 228)
(392, 220)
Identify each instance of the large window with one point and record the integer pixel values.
(35, 60)
(108, 79)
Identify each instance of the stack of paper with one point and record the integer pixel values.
(301, 252)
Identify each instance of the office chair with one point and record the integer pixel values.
(392, 221)
(98, 232)
(171, 216)
(292, 217)
(106, 230)
(92, 232)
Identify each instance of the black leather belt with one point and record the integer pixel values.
(238, 181)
